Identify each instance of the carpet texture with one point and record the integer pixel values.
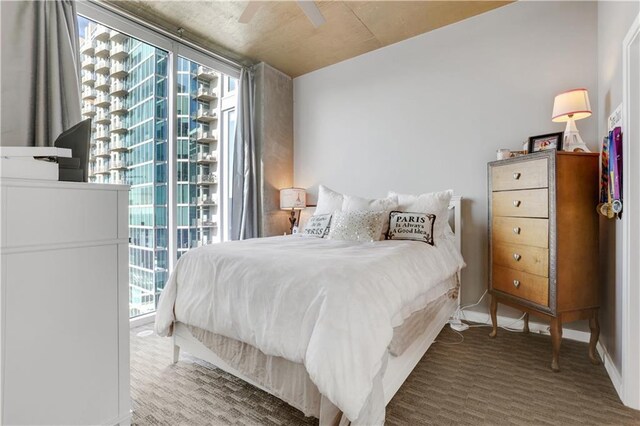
(479, 381)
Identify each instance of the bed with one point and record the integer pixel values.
(331, 327)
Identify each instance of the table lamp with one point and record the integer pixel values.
(294, 199)
(568, 107)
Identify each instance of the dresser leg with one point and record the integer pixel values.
(525, 328)
(556, 340)
(494, 316)
(593, 340)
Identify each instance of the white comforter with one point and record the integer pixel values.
(328, 304)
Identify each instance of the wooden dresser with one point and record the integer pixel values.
(543, 240)
(64, 311)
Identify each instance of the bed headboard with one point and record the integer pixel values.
(455, 219)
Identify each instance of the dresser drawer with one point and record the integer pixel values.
(526, 203)
(41, 215)
(530, 259)
(520, 230)
(521, 284)
(521, 175)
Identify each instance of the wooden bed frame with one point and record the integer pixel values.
(398, 368)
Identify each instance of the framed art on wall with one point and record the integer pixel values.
(544, 142)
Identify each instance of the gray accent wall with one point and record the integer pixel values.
(274, 138)
(428, 113)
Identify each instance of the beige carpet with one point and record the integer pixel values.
(481, 381)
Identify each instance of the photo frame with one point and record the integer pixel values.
(545, 142)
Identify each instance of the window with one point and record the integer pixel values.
(126, 91)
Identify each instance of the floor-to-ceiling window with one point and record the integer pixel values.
(127, 92)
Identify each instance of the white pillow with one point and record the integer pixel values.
(328, 201)
(436, 203)
(352, 203)
(318, 226)
(356, 225)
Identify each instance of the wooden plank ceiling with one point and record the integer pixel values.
(282, 36)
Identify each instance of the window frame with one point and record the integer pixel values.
(137, 28)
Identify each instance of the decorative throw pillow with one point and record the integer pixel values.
(387, 205)
(436, 203)
(328, 201)
(318, 225)
(356, 226)
(411, 226)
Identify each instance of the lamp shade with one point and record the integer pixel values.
(293, 198)
(572, 104)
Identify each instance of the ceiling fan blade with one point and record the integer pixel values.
(249, 12)
(313, 13)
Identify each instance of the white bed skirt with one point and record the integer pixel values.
(290, 381)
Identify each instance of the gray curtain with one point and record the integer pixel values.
(244, 189)
(40, 92)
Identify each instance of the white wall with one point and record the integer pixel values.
(614, 20)
(428, 113)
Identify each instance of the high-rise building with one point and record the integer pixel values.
(125, 92)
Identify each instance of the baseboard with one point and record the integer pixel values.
(541, 328)
(142, 320)
(534, 326)
(612, 371)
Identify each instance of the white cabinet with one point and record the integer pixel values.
(64, 300)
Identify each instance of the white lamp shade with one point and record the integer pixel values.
(572, 104)
(293, 198)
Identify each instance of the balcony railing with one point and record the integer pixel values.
(118, 143)
(103, 116)
(103, 99)
(207, 157)
(103, 133)
(118, 51)
(118, 164)
(206, 136)
(87, 62)
(206, 94)
(103, 151)
(102, 82)
(118, 88)
(207, 179)
(103, 65)
(88, 93)
(88, 109)
(206, 73)
(206, 223)
(206, 115)
(102, 168)
(118, 125)
(88, 77)
(87, 46)
(118, 106)
(118, 69)
(102, 48)
(119, 181)
(102, 32)
(207, 200)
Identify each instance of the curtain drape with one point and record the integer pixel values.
(40, 92)
(244, 189)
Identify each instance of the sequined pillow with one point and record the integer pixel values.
(318, 225)
(356, 225)
(411, 226)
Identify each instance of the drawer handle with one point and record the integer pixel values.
(516, 230)
(516, 283)
(516, 176)
(517, 257)
(516, 203)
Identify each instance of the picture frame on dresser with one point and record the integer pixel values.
(545, 142)
(543, 240)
